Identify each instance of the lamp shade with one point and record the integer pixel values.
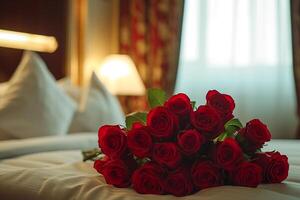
(33, 42)
(119, 74)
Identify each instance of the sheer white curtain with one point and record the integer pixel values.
(241, 47)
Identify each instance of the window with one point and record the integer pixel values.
(236, 33)
(241, 47)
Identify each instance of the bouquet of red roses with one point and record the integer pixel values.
(179, 149)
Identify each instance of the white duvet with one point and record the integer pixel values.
(62, 175)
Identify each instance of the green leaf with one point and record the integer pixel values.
(193, 103)
(222, 136)
(135, 117)
(91, 154)
(247, 157)
(142, 161)
(156, 97)
(233, 125)
(232, 129)
(258, 150)
(234, 122)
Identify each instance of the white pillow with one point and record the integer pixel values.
(96, 106)
(33, 105)
(73, 91)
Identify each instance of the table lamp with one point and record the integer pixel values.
(119, 74)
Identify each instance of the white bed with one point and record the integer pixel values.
(62, 174)
(50, 167)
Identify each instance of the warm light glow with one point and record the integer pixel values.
(114, 69)
(33, 42)
(120, 76)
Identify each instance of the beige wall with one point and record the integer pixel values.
(100, 35)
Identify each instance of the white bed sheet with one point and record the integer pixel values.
(62, 175)
(19, 147)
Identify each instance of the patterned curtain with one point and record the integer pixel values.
(150, 33)
(295, 14)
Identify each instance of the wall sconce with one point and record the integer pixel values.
(33, 42)
(119, 74)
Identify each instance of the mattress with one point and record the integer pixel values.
(62, 175)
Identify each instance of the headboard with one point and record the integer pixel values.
(39, 17)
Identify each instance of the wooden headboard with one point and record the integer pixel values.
(46, 17)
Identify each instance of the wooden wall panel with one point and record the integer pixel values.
(93, 34)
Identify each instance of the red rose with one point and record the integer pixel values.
(140, 141)
(223, 103)
(228, 153)
(129, 161)
(148, 179)
(112, 141)
(179, 183)
(136, 125)
(162, 122)
(275, 166)
(100, 164)
(117, 173)
(205, 174)
(255, 134)
(190, 141)
(180, 105)
(278, 168)
(208, 121)
(166, 154)
(246, 174)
